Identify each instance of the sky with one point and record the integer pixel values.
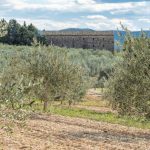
(93, 14)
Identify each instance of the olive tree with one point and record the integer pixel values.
(129, 87)
(43, 73)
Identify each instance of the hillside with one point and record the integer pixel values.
(120, 39)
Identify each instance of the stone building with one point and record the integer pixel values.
(83, 39)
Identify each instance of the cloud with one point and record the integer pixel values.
(81, 6)
(100, 22)
(2, 2)
(59, 14)
(144, 20)
(138, 8)
(96, 17)
(96, 22)
(50, 24)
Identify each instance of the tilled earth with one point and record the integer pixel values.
(53, 132)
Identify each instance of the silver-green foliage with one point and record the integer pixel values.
(3, 28)
(41, 73)
(129, 88)
(99, 64)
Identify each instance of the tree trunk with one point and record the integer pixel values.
(61, 102)
(12, 104)
(70, 102)
(45, 106)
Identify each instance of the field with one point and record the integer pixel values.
(57, 132)
(75, 128)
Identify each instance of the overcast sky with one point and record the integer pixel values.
(94, 14)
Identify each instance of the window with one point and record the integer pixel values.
(84, 46)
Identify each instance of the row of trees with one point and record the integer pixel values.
(13, 33)
(48, 73)
(29, 74)
(99, 64)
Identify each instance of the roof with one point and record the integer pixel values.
(78, 33)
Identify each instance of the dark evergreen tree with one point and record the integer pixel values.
(33, 29)
(24, 35)
(13, 35)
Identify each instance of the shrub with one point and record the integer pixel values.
(99, 64)
(129, 87)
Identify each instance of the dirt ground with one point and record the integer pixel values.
(53, 132)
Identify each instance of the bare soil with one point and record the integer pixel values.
(95, 95)
(53, 132)
(96, 109)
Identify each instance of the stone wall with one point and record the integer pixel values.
(86, 40)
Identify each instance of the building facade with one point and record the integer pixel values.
(86, 40)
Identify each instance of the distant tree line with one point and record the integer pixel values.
(16, 34)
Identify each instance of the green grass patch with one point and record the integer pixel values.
(105, 117)
(109, 117)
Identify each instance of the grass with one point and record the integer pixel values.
(109, 117)
(95, 103)
(105, 117)
(97, 116)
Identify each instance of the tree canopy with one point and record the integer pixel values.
(16, 34)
